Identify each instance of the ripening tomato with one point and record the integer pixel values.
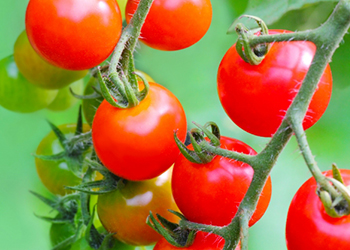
(256, 97)
(138, 143)
(216, 188)
(73, 34)
(64, 99)
(310, 227)
(173, 25)
(56, 174)
(124, 211)
(39, 72)
(202, 241)
(19, 95)
(90, 105)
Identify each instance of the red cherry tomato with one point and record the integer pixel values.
(211, 193)
(308, 224)
(256, 97)
(73, 34)
(202, 241)
(124, 212)
(137, 143)
(173, 25)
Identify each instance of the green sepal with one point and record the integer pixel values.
(79, 127)
(61, 137)
(189, 154)
(336, 173)
(56, 157)
(94, 95)
(172, 232)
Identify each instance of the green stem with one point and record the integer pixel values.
(130, 34)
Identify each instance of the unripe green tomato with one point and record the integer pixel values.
(122, 5)
(90, 105)
(17, 93)
(38, 71)
(64, 99)
(55, 175)
(60, 232)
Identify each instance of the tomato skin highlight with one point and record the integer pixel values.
(124, 211)
(256, 97)
(173, 25)
(138, 143)
(216, 188)
(39, 72)
(73, 34)
(309, 226)
(55, 175)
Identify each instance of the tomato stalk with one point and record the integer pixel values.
(120, 87)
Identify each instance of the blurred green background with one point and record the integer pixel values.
(191, 75)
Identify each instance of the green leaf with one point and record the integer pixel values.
(271, 10)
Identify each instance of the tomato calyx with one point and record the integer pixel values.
(337, 205)
(109, 183)
(172, 232)
(73, 148)
(253, 55)
(196, 135)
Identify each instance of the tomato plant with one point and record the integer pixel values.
(173, 25)
(202, 241)
(55, 175)
(216, 188)
(73, 34)
(256, 97)
(60, 232)
(82, 244)
(90, 105)
(19, 95)
(64, 99)
(124, 211)
(39, 72)
(308, 224)
(137, 143)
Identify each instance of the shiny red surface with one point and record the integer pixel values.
(309, 227)
(256, 97)
(203, 241)
(138, 143)
(173, 24)
(73, 34)
(211, 193)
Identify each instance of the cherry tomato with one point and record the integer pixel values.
(39, 72)
(90, 105)
(256, 97)
(124, 211)
(55, 174)
(19, 95)
(73, 34)
(173, 25)
(64, 99)
(202, 241)
(213, 191)
(137, 143)
(308, 224)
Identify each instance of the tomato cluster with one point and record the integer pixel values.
(132, 150)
